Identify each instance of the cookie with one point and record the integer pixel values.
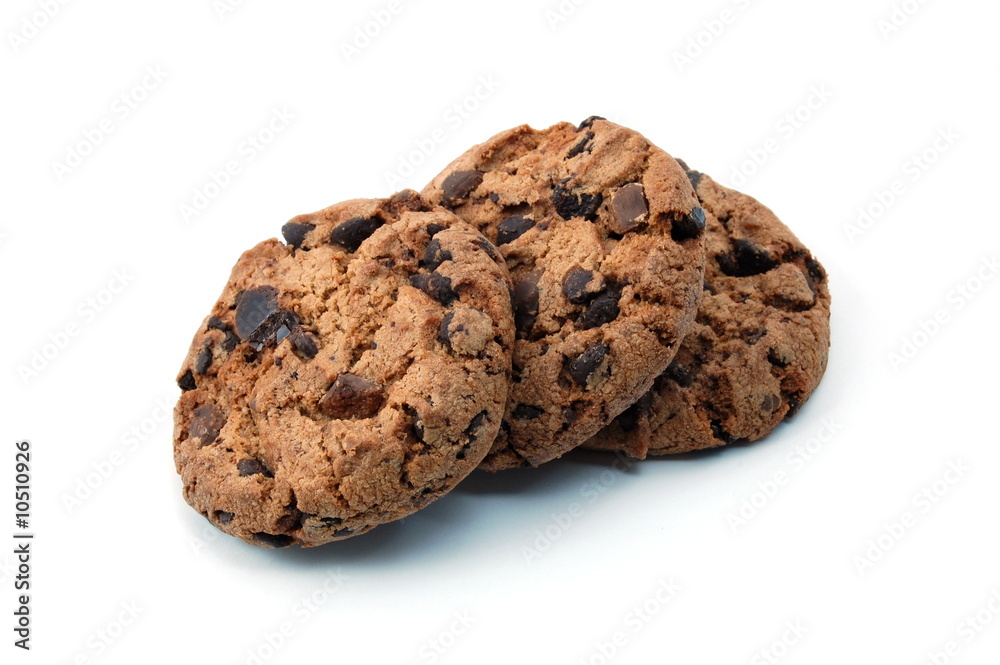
(602, 234)
(758, 348)
(346, 377)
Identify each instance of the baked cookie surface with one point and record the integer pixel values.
(602, 234)
(347, 377)
(758, 348)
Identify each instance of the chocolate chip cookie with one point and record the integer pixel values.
(602, 234)
(759, 346)
(346, 377)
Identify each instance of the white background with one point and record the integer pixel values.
(500, 551)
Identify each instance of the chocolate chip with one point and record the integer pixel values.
(435, 255)
(223, 517)
(186, 382)
(575, 286)
(352, 397)
(794, 404)
(693, 176)
(489, 248)
(231, 340)
(569, 204)
(294, 233)
(253, 467)
(679, 374)
(777, 359)
(460, 184)
(589, 122)
(719, 433)
(569, 414)
(603, 310)
(204, 360)
(746, 259)
(526, 302)
(416, 424)
(513, 228)
(472, 431)
(630, 418)
(303, 344)
(581, 146)
(434, 229)
(215, 323)
(527, 412)
(586, 367)
(437, 286)
(355, 231)
(444, 335)
(208, 421)
(272, 540)
(751, 337)
(770, 403)
(406, 200)
(253, 307)
(689, 227)
(815, 270)
(629, 208)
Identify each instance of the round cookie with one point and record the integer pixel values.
(602, 234)
(758, 348)
(347, 378)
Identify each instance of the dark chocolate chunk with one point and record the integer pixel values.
(272, 540)
(751, 337)
(434, 229)
(746, 259)
(575, 285)
(581, 146)
(513, 228)
(352, 397)
(679, 374)
(253, 308)
(693, 176)
(406, 200)
(527, 412)
(589, 122)
(770, 403)
(355, 231)
(603, 310)
(629, 208)
(303, 344)
(489, 248)
(435, 255)
(416, 424)
(472, 431)
(526, 302)
(215, 323)
(719, 433)
(294, 233)
(444, 334)
(253, 467)
(208, 421)
(630, 418)
(690, 226)
(794, 404)
(815, 270)
(570, 204)
(586, 367)
(224, 517)
(437, 286)
(204, 360)
(186, 382)
(460, 184)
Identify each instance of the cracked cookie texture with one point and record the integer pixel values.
(603, 236)
(346, 377)
(759, 346)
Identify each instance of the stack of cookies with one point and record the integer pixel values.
(571, 287)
